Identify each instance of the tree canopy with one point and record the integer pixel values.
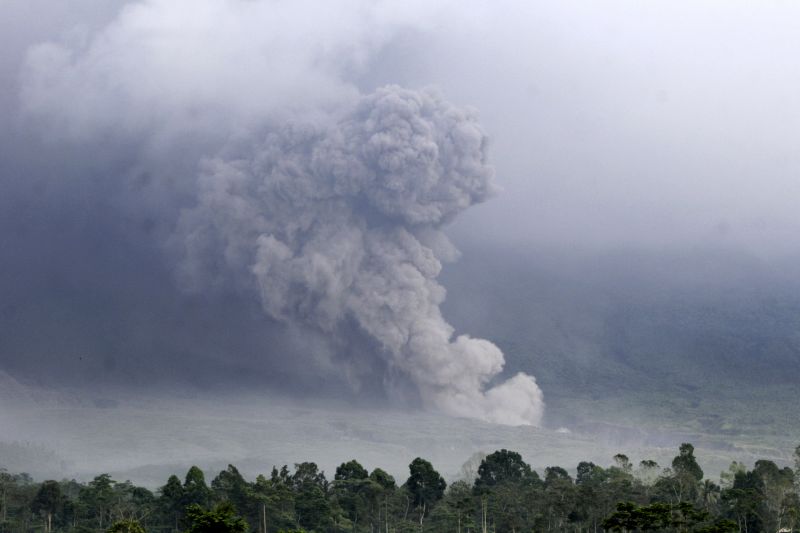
(504, 494)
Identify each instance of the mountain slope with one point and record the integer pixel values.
(706, 340)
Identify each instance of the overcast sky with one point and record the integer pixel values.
(612, 123)
(154, 154)
(627, 123)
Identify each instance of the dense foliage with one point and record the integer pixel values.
(503, 494)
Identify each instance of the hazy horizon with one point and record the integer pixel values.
(575, 216)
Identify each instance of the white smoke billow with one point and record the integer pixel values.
(332, 224)
(332, 212)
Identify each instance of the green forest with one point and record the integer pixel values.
(502, 493)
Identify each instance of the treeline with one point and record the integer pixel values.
(503, 494)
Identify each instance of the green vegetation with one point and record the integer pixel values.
(506, 495)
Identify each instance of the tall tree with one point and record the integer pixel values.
(776, 486)
(352, 488)
(47, 503)
(230, 485)
(195, 490)
(382, 489)
(99, 497)
(685, 463)
(683, 482)
(311, 496)
(503, 466)
(170, 501)
(425, 486)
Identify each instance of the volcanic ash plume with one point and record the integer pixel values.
(338, 227)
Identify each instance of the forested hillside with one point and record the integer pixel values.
(499, 492)
(701, 340)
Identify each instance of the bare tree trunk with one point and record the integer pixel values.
(484, 509)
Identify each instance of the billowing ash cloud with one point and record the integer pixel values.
(262, 167)
(338, 226)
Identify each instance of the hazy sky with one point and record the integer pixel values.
(135, 137)
(643, 123)
(610, 124)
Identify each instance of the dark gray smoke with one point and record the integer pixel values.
(340, 225)
(262, 171)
